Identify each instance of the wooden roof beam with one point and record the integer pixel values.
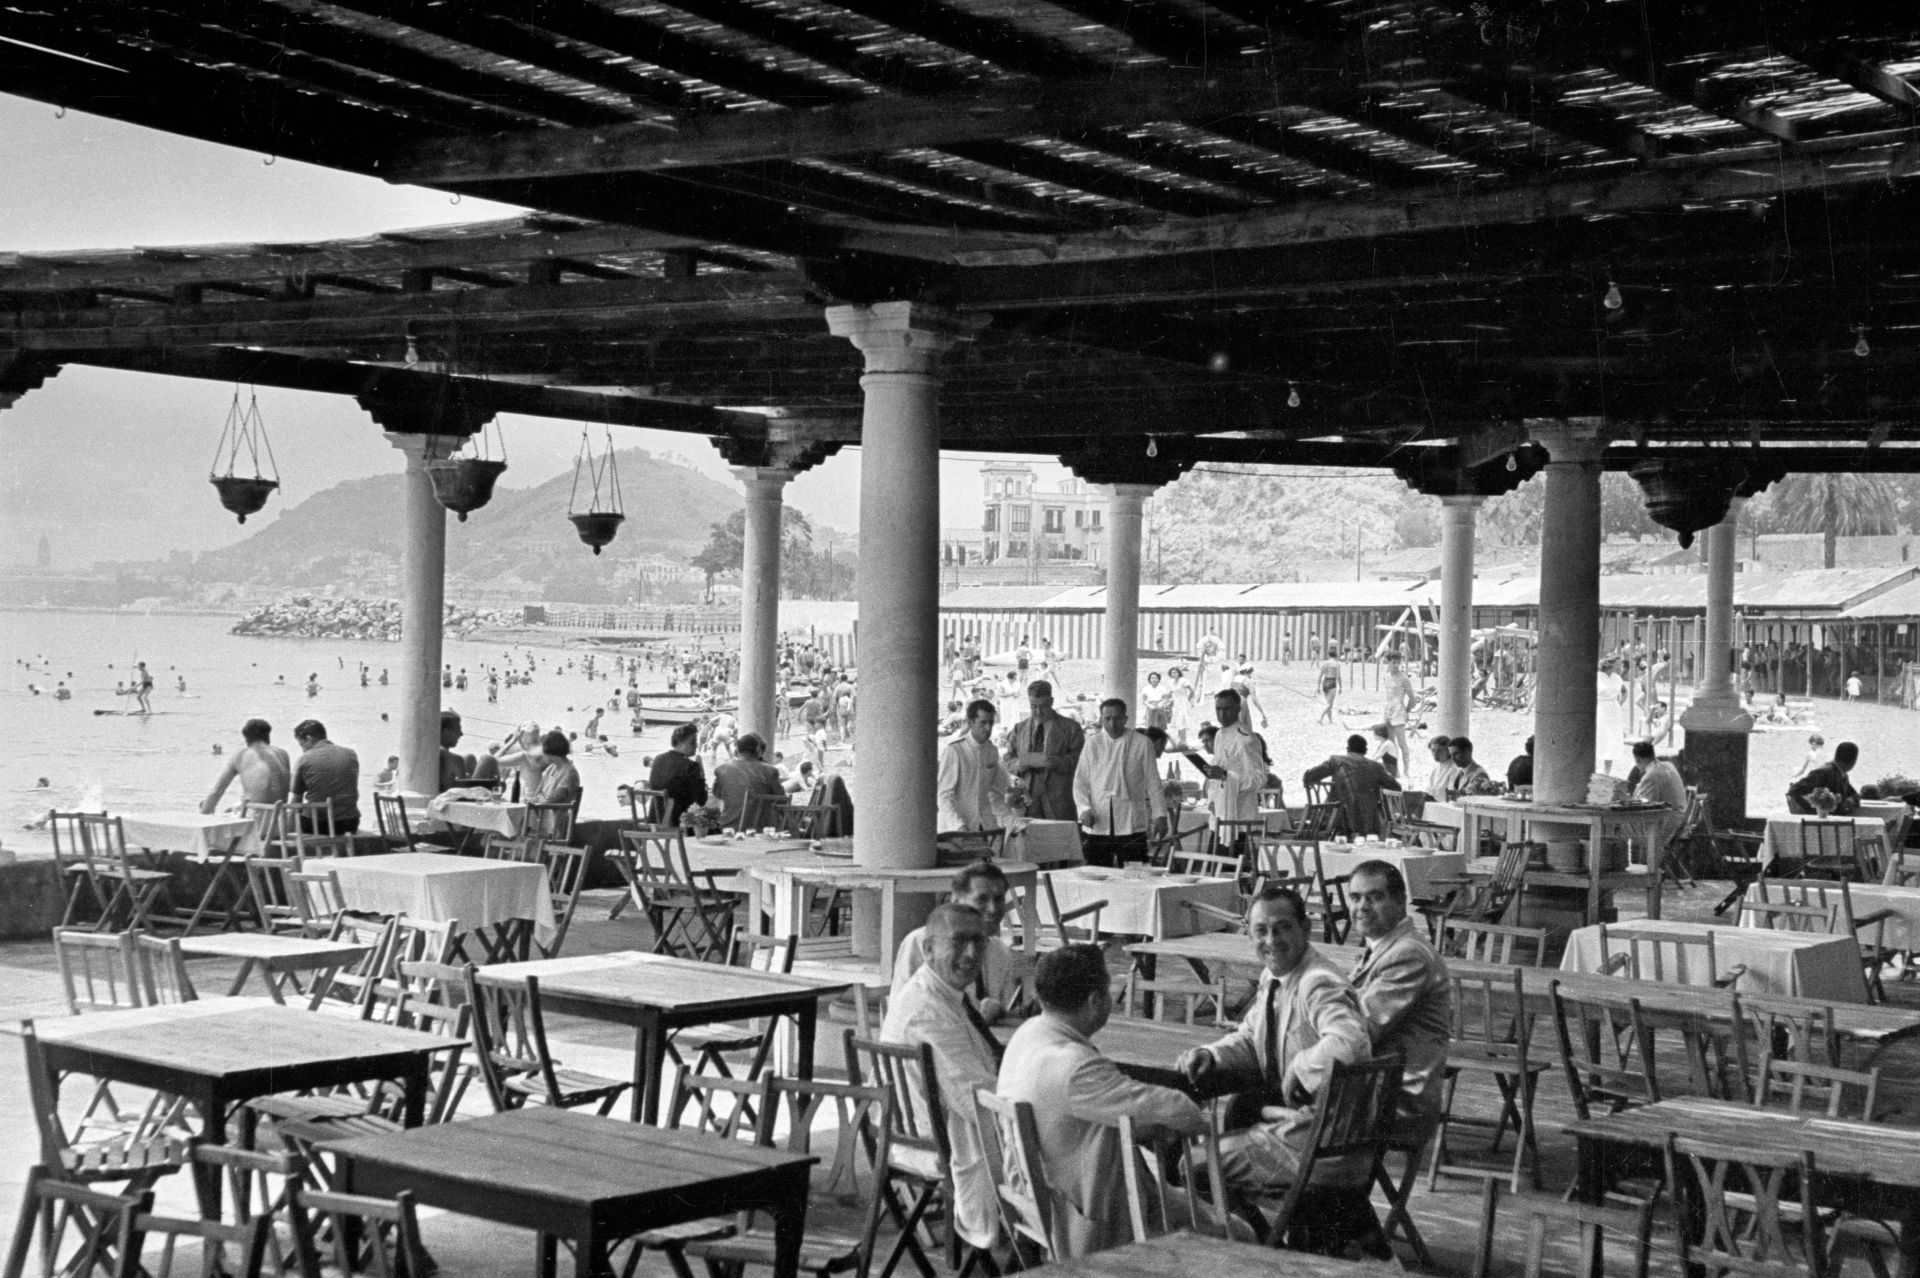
(1020, 109)
(818, 41)
(1837, 62)
(337, 377)
(662, 305)
(987, 38)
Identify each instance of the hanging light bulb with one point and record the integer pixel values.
(1293, 395)
(413, 352)
(1512, 465)
(1153, 446)
(1219, 362)
(1860, 346)
(1613, 301)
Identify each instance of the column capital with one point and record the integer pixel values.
(1571, 441)
(423, 448)
(773, 477)
(1449, 475)
(450, 409)
(901, 337)
(1135, 494)
(1467, 502)
(793, 447)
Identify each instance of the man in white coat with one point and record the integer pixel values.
(1304, 1017)
(1078, 1097)
(936, 1007)
(972, 790)
(1239, 770)
(1405, 991)
(1117, 790)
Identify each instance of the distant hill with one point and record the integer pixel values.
(349, 535)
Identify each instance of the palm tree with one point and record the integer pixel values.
(1835, 506)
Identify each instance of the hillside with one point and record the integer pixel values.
(520, 541)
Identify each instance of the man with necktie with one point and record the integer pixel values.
(1043, 753)
(1303, 1018)
(1404, 989)
(936, 1006)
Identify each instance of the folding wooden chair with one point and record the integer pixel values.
(648, 807)
(1189, 1193)
(1492, 1034)
(1351, 1119)
(74, 1231)
(136, 1149)
(807, 820)
(566, 879)
(134, 886)
(1168, 1000)
(317, 899)
(714, 1045)
(161, 970)
(73, 857)
(961, 847)
(1801, 1087)
(1326, 897)
(242, 1186)
(1826, 849)
(918, 1172)
(97, 969)
(276, 906)
(729, 1108)
(551, 822)
(510, 1047)
(375, 1236)
(1661, 955)
(1791, 1029)
(217, 1250)
(688, 920)
(1494, 943)
(1751, 1211)
(1321, 822)
(396, 828)
(1552, 1221)
(857, 1123)
(1010, 1139)
(524, 848)
(1478, 900)
(351, 987)
(1067, 928)
(1606, 1049)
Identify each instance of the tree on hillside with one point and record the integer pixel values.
(803, 571)
(1835, 506)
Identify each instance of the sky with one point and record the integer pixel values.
(108, 465)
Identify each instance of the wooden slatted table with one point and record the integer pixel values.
(656, 993)
(275, 957)
(1144, 1049)
(564, 1174)
(1858, 1157)
(1189, 1253)
(222, 1052)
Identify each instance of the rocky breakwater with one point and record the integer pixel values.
(320, 617)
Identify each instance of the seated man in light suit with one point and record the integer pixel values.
(1304, 1017)
(1078, 1096)
(936, 1007)
(997, 989)
(1404, 991)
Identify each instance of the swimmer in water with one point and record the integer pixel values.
(43, 784)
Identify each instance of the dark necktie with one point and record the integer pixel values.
(1273, 1029)
(979, 1023)
(1039, 739)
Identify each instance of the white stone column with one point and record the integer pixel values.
(760, 598)
(1569, 655)
(423, 584)
(899, 656)
(1456, 615)
(1122, 647)
(1715, 684)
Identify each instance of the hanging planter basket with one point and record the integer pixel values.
(600, 522)
(244, 494)
(597, 528)
(244, 431)
(464, 484)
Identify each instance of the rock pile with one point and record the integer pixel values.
(320, 617)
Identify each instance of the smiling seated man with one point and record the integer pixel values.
(997, 990)
(936, 1006)
(1304, 1017)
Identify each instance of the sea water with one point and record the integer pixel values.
(94, 754)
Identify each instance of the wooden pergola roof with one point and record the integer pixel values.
(1288, 230)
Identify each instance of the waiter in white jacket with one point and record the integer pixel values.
(1239, 770)
(1117, 791)
(972, 787)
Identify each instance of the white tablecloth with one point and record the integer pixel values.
(1045, 842)
(442, 888)
(506, 819)
(1777, 962)
(1783, 833)
(1415, 865)
(197, 835)
(1141, 903)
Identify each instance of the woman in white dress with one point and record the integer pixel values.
(1180, 712)
(1609, 717)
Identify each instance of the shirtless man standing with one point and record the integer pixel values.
(263, 768)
